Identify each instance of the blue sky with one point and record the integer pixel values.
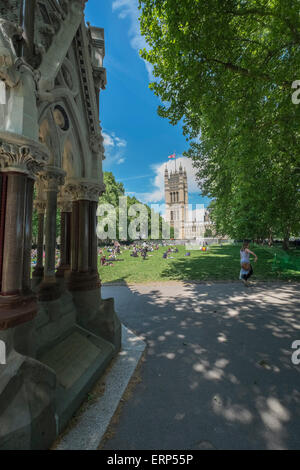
(137, 140)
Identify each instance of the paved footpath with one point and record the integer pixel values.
(218, 372)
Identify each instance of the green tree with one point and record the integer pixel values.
(226, 70)
(115, 190)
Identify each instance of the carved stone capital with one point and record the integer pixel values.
(100, 77)
(53, 178)
(84, 190)
(96, 144)
(8, 56)
(21, 158)
(65, 205)
(64, 200)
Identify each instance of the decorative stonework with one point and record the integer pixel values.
(8, 56)
(64, 200)
(88, 88)
(53, 178)
(97, 50)
(96, 144)
(56, 23)
(65, 205)
(85, 191)
(100, 77)
(21, 158)
(10, 10)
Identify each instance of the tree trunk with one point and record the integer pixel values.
(285, 244)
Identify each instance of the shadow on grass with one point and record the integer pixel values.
(223, 263)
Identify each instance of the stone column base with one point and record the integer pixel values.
(27, 398)
(49, 290)
(16, 309)
(98, 316)
(37, 277)
(83, 281)
(62, 271)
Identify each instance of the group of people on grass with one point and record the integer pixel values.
(109, 254)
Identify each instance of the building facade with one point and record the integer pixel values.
(59, 334)
(176, 199)
(179, 215)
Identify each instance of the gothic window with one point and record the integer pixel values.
(61, 118)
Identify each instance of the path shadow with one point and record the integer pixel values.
(218, 366)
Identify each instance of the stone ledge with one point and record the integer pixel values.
(93, 423)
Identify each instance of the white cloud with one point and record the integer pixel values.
(114, 149)
(129, 9)
(158, 193)
(108, 140)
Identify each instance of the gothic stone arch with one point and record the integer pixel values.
(51, 74)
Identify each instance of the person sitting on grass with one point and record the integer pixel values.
(165, 255)
(134, 253)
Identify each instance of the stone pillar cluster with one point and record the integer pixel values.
(65, 206)
(19, 165)
(52, 179)
(84, 269)
(77, 202)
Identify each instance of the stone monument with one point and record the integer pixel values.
(59, 334)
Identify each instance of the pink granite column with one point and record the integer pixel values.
(14, 234)
(65, 238)
(28, 236)
(83, 237)
(93, 253)
(84, 272)
(3, 194)
(39, 268)
(49, 288)
(15, 308)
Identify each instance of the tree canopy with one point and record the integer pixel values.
(226, 71)
(114, 191)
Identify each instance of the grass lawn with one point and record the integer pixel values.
(219, 263)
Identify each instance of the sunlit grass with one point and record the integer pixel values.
(219, 263)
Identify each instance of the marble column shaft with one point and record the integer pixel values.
(50, 235)
(93, 252)
(12, 278)
(40, 241)
(3, 191)
(83, 237)
(65, 239)
(74, 240)
(28, 235)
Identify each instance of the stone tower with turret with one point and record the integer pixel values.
(176, 198)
